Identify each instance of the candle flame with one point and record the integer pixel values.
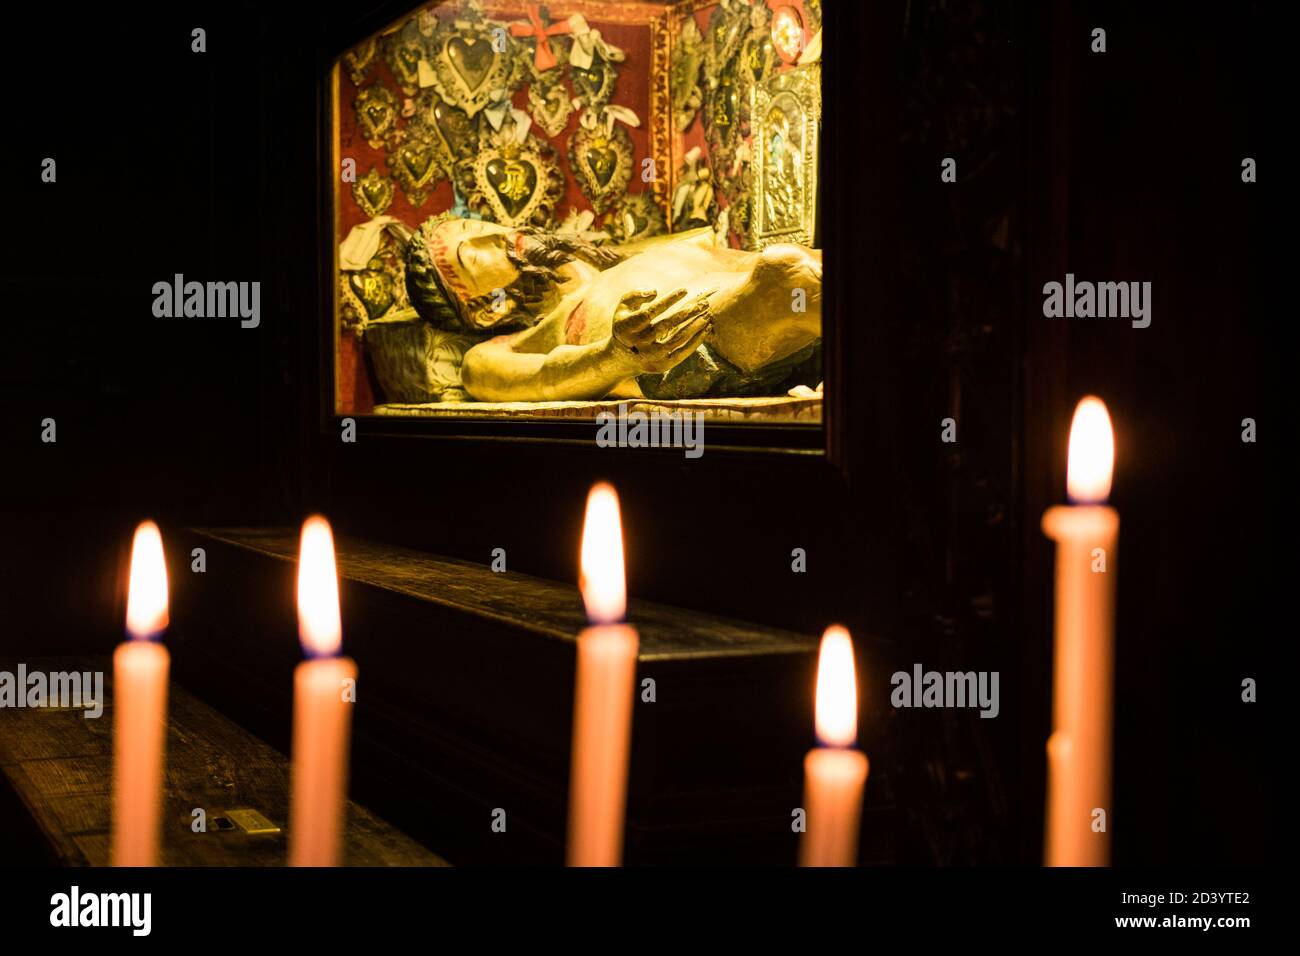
(146, 595)
(318, 591)
(837, 690)
(1092, 453)
(604, 592)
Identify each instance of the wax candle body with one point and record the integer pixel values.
(322, 733)
(602, 733)
(1079, 751)
(834, 778)
(140, 669)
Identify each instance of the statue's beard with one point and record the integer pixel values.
(536, 291)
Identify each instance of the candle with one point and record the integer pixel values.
(603, 692)
(1079, 750)
(322, 709)
(140, 668)
(834, 773)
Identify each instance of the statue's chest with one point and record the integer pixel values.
(590, 318)
(575, 326)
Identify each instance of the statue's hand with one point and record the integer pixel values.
(653, 334)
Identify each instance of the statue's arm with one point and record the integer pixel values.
(651, 333)
(494, 372)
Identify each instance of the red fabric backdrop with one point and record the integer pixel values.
(353, 388)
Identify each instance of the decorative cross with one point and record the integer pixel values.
(544, 59)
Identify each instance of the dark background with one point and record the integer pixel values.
(1115, 166)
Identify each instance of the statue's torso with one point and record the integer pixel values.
(585, 313)
(755, 335)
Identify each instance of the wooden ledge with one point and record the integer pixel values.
(59, 763)
(774, 409)
(535, 605)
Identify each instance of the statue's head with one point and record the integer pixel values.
(470, 276)
(462, 275)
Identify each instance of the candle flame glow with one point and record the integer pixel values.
(146, 595)
(601, 580)
(1092, 453)
(318, 591)
(837, 690)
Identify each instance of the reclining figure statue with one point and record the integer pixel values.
(553, 317)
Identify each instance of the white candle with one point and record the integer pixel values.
(603, 692)
(322, 708)
(1077, 831)
(835, 774)
(140, 669)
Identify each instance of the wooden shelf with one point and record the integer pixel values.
(531, 605)
(59, 763)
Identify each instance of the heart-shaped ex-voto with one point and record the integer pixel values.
(376, 109)
(470, 64)
(413, 159)
(515, 184)
(471, 59)
(373, 193)
(601, 160)
(374, 288)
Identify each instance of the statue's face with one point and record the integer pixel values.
(478, 256)
(481, 264)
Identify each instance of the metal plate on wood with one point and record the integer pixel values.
(250, 821)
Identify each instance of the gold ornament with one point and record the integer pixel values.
(601, 159)
(360, 59)
(404, 51)
(758, 56)
(594, 84)
(414, 160)
(472, 60)
(513, 183)
(688, 54)
(728, 25)
(375, 291)
(592, 61)
(634, 216)
(376, 109)
(787, 113)
(373, 193)
(454, 133)
(723, 116)
(550, 103)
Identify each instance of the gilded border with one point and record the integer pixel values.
(623, 12)
(661, 106)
